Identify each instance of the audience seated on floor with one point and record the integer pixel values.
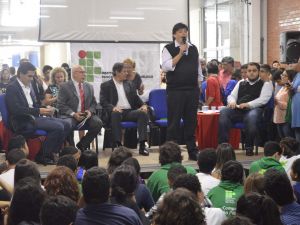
(180, 207)
(260, 209)
(16, 142)
(142, 194)
(255, 182)
(26, 202)
(174, 171)
(295, 176)
(68, 161)
(124, 182)
(62, 181)
(290, 152)
(62, 191)
(225, 152)
(279, 188)
(272, 154)
(58, 210)
(213, 216)
(169, 153)
(12, 158)
(95, 190)
(238, 220)
(226, 194)
(87, 160)
(71, 150)
(117, 157)
(207, 159)
(26, 168)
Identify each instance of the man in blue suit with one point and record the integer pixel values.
(21, 100)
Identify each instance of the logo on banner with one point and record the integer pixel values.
(90, 60)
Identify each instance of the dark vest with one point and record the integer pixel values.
(249, 92)
(185, 75)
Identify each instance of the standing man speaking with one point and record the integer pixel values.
(180, 60)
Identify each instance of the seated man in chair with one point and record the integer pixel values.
(21, 101)
(76, 102)
(119, 97)
(245, 104)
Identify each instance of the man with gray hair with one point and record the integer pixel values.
(76, 102)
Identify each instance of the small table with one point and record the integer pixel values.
(207, 131)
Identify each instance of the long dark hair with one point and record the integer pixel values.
(262, 210)
(26, 202)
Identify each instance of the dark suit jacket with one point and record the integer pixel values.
(17, 106)
(36, 86)
(109, 95)
(17, 103)
(68, 99)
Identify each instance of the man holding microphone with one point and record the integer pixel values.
(180, 61)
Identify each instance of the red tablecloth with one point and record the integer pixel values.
(207, 131)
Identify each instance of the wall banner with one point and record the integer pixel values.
(99, 58)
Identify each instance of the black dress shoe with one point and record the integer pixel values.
(193, 156)
(249, 153)
(81, 147)
(144, 151)
(44, 161)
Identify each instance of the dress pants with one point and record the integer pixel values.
(57, 130)
(138, 116)
(94, 125)
(183, 104)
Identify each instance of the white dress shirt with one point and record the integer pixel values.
(26, 90)
(167, 60)
(265, 94)
(122, 99)
(76, 84)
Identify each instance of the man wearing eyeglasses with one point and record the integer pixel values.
(77, 104)
(22, 105)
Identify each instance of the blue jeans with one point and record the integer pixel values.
(297, 133)
(57, 130)
(251, 119)
(284, 130)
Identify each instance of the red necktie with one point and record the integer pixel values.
(81, 92)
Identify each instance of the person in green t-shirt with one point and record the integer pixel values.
(272, 154)
(169, 154)
(226, 194)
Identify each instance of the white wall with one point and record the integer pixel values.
(54, 54)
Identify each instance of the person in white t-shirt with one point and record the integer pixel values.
(207, 159)
(13, 156)
(290, 152)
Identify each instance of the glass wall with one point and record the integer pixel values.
(221, 28)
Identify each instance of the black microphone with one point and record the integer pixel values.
(184, 42)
